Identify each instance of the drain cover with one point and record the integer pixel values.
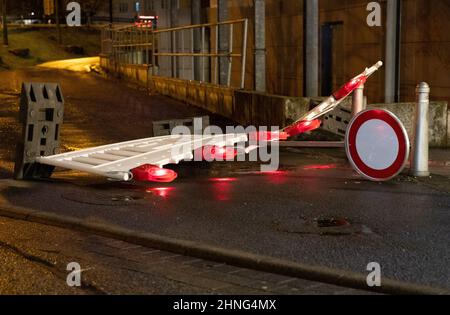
(323, 226)
(332, 222)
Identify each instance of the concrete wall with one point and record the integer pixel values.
(135, 73)
(212, 98)
(439, 120)
(258, 109)
(253, 108)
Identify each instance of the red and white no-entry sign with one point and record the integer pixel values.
(377, 145)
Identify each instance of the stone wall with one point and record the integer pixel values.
(438, 120)
(258, 109)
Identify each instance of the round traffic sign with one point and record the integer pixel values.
(377, 145)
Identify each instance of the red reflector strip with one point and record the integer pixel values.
(266, 136)
(211, 153)
(152, 173)
(349, 87)
(303, 127)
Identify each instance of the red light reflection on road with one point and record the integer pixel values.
(222, 188)
(275, 173)
(215, 153)
(320, 167)
(276, 177)
(223, 180)
(163, 192)
(303, 127)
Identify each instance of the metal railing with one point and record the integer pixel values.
(127, 44)
(189, 52)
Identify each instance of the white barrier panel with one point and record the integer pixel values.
(116, 161)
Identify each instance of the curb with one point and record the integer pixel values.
(231, 257)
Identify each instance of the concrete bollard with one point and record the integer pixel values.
(358, 102)
(420, 150)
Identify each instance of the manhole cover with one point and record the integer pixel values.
(332, 222)
(322, 226)
(101, 198)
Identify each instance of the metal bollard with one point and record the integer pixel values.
(420, 150)
(358, 102)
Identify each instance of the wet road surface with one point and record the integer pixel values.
(314, 210)
(35, 258)
(309, 212)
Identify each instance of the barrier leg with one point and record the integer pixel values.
(358, 102)
(41, 115)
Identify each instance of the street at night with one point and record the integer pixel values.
(234, 205)
(358, 202)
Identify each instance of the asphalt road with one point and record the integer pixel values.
(402, 225)
(315, 210)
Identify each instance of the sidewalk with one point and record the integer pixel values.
(34, 259)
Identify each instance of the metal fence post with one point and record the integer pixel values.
(203, 51)
(154, 53)
(420, 156)
(230, 59)
(358, 104)
(244, 53)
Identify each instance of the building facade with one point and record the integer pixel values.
(347, 44)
